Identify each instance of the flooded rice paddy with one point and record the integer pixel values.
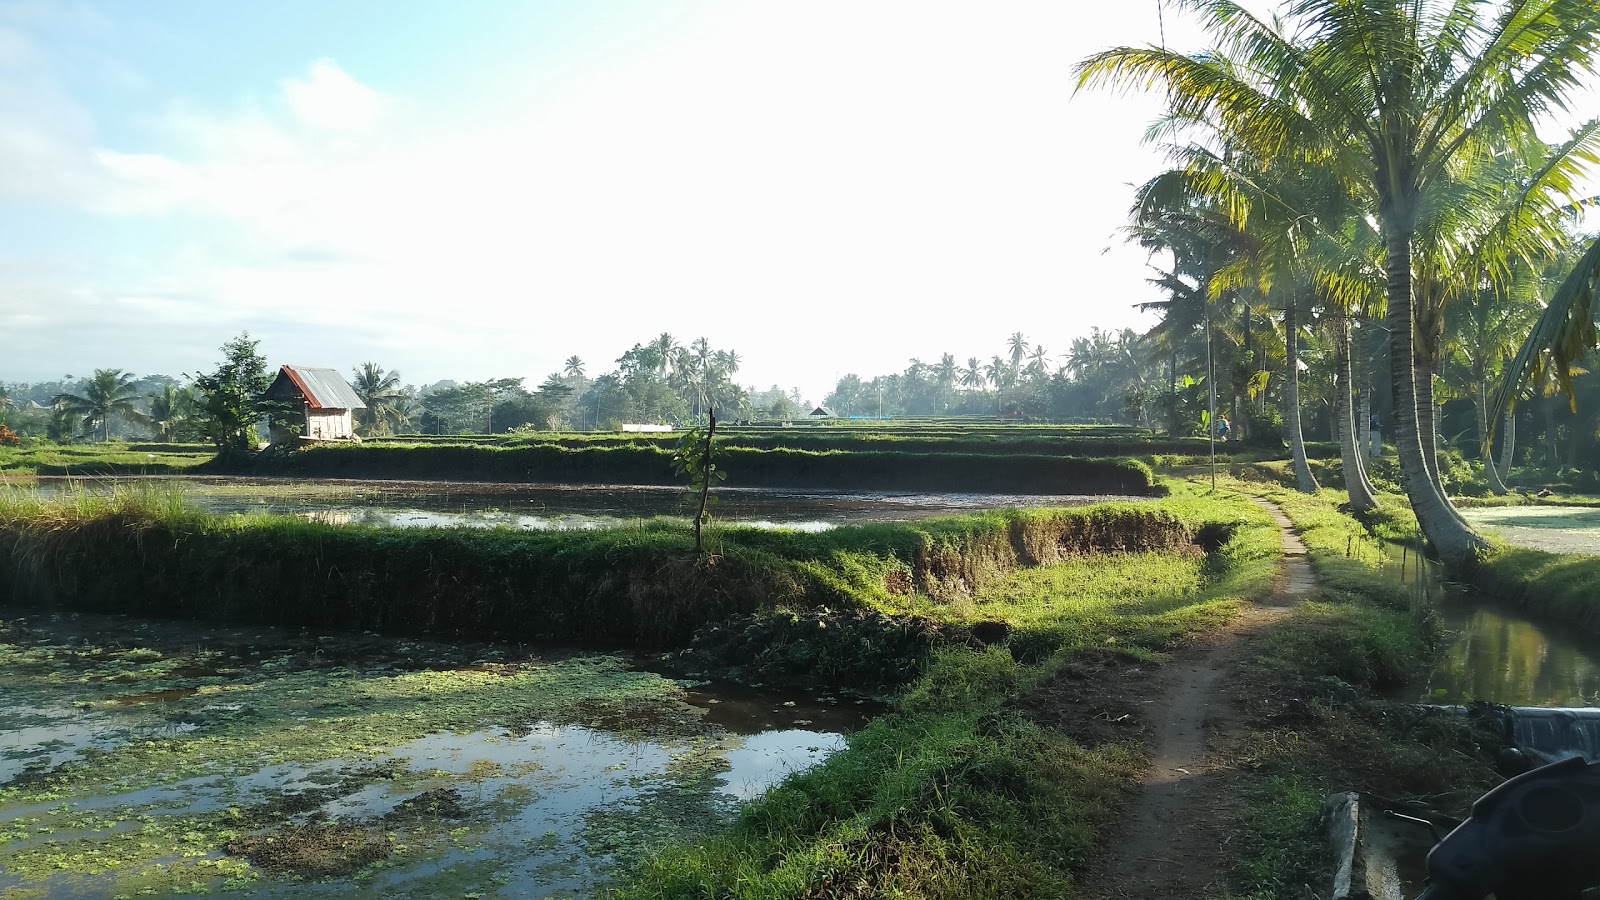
(139, 757)
(413, 504)
(1556, 529)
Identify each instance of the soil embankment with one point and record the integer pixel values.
(877, 470)
(1187, 807)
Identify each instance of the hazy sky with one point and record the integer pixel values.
(482, 189)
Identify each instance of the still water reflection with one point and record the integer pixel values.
(1500, 655)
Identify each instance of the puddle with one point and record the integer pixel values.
(534, 507)
(163, 758)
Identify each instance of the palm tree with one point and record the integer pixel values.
(169, 409)
(380, 391)
(574, 367)
(1019, 348)
(1039, 363)
(110, 392)
(972, 376)
(1392, 95)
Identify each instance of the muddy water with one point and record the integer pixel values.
(141, 756)
(542, 507)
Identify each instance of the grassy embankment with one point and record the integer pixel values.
(1556, 585)
(1312, 684)
(959, 792)
(1001, 440)
(147, 553)
(747, 467)
(103, 459)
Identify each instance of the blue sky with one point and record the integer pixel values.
(481, 189)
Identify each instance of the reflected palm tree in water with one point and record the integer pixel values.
(1505, 659)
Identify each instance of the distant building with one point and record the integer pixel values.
(822, 412)
(329, 402)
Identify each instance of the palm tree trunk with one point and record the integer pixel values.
(1486, 443)
(1303, 478)
(1364, 416)
(1454, 540)
(1553, 459)
(1355, 472)
(1427, 422)
(1508, 444)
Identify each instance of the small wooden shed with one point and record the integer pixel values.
(329, 402)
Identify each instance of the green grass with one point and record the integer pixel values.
(144, 552)
(1560, 586)
(957, 793)
(1312, 683)
(103, 459)
(642, 463)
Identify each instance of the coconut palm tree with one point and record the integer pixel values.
(574, 367)
(108, 393)
(1019, 349)
(380, 391)
(1039, 363)
(1393, 95)
(947, 374)
(169, 409)
(972, 375)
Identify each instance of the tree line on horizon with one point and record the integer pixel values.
(660, 381)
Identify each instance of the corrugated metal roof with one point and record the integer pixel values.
(323, 388)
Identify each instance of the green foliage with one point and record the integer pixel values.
(110, 393)
(230, 397)
(695, 459)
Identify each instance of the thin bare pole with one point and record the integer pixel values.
(1211, 390)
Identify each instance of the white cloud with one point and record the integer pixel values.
(329, 99)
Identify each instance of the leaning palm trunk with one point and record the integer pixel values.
(1428, 435)
(1454, 540)
(1427, 422)
(1303, 478)
(1364, 421)
(1486, 441)
(1508, 443)
(1355, 471)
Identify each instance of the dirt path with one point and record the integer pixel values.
(1187, 806)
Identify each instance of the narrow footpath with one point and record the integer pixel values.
(1174, 838)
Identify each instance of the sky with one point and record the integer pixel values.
(483, 189)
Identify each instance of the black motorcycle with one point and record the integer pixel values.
(1535, 837)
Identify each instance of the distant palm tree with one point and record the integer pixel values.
(574, 367)
(110, 392)
(169, 409)
(1019, 348)
(972, 375)
(379, 390)
(1038, 367)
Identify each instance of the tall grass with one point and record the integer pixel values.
(633, 463)
(957, 793)
(144, 552)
